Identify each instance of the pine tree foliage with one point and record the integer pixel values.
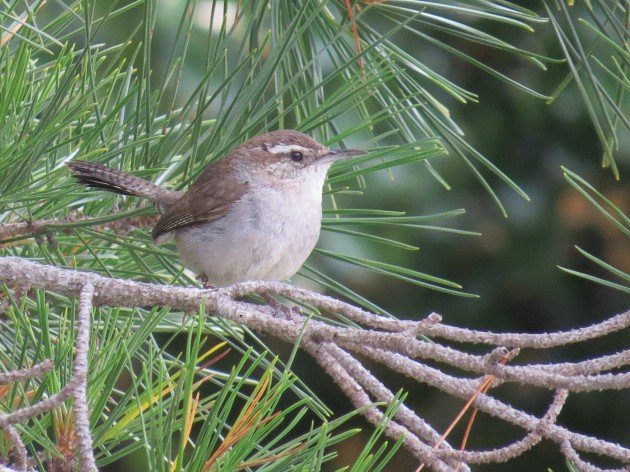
(154, 388)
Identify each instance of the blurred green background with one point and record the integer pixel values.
(512, 265)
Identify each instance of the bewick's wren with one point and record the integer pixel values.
(253, 215)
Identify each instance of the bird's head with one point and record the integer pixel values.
(287, 154)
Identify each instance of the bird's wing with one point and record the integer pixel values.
(204, 201)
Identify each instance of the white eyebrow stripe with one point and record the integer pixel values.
(283, 148)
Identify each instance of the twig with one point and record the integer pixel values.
(464, 389)
(355, 32)
(24, 374)
(76, 388)
(404, 415)
(432, 326)
(536, 341)
(81, 411)
(517, 448)
(325, 303)
(19, 450)
(29, 229)
(13, 28)
(483, 388)
(583, 466)
(469, 425)
(24, 414)
(360, 400)
(591, 366)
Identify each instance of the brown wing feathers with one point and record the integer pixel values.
(208, 199)
(205, 201)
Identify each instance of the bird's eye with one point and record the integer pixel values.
(296, 156)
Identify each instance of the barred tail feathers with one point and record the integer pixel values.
(92, 174)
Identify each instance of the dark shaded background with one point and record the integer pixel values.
(513, 265)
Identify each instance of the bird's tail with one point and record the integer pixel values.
(92, 174)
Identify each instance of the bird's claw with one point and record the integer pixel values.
(203, 280)
(283, 311)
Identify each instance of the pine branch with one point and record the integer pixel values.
(81, 411)
(28, 229)
(76, 388)
(19, 451)
(336, 349)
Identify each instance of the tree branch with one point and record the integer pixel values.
(29, 373)
(519, 447)
(81, 411)
(387, 341)
(19, 451)
(33, 229)
(75, 388)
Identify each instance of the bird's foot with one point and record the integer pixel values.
(281, 310)
(204, 282)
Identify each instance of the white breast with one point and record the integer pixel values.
(267, 235)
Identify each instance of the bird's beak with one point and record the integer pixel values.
(334, 156)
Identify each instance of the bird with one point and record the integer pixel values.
(254, 215)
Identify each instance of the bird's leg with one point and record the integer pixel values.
(281, 310)
(204, 281)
